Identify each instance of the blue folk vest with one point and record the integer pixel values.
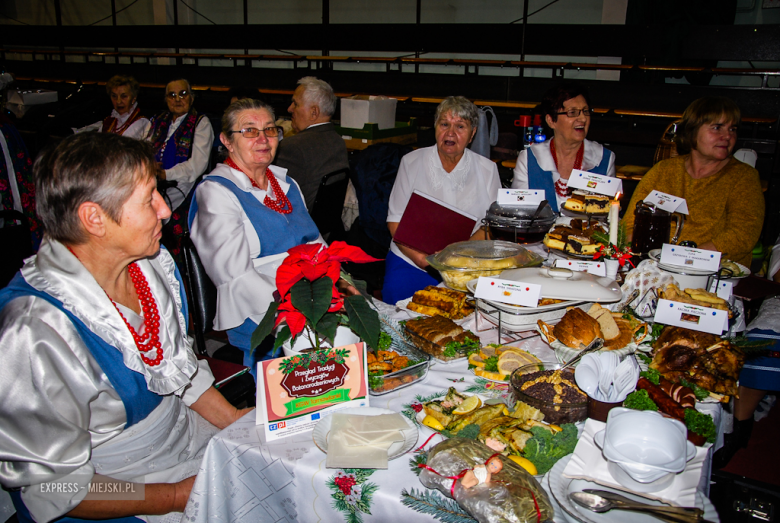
(541, 179)
(138, 400)
(277, 232)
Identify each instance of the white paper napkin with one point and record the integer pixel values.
(589, 464)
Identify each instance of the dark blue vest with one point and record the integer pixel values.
(541, 179)
(277, 232)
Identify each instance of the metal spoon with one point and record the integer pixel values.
(538, 210)
(601, 503)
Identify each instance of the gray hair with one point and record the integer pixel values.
(103, 168)
(459, 106)
(189, 87)
(245, 104)
(320, 93)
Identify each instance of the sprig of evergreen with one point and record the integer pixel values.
(433, 504)
(418, 459)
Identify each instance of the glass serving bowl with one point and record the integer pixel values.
(461, 262)
(555, 413)
(379, 385)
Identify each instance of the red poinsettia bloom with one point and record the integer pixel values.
(313, 261)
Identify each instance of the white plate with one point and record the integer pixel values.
(398, 448)
(655, 254)
(560, 488)
(489, 379)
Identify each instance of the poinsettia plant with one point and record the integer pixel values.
(620, 251)
(310, 301)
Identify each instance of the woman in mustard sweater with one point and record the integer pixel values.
(724, 196)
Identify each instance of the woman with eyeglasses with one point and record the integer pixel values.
(244, 217)
(724, 196)
(182, 141)
(548, 165)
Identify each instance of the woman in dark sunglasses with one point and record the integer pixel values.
(182, 140)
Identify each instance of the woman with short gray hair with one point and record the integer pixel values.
(447, 171)
(94, 328)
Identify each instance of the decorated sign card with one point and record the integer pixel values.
(667, 202)
(597, 183)
(520, 196)
(693, 317)
(723, 289)
(591, 267)
(690, 258)
(295, 392)
(505, 291)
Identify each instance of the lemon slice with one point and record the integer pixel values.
(525, 463)
(433, 423)
(497, 376)
(470, 404)
(476, 360)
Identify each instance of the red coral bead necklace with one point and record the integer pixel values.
(150, 339)
(280, 204)
(561, 185)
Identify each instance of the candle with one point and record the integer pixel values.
(614, 219)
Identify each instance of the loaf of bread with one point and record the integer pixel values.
(577, 329)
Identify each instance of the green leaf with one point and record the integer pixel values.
(363, 320)
(327, 326)
(283, 336)
(264, 329)
(312, 299)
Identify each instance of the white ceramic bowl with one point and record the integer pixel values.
(645, 445)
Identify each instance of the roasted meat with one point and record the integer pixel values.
(700, 358)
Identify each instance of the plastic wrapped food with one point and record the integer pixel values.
(461, 262)
(510, 495)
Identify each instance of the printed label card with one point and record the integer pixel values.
(505, 291)
(667, 202)
(596, 268)
(688, 316)
(690, 258)
(520, 196)
(295, 392)
(597, 183)
(724, 289)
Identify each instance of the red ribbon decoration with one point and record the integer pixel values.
(463, 473)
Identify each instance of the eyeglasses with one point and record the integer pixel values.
(574, 113)
(253, 132)
(181, 94)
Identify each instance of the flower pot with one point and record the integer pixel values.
(612, 268)
(344, 336)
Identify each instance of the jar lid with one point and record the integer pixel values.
(519, 215)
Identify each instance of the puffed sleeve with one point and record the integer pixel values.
(402, 191)
(199, 161)
(220, 233)
(46, 390)
(520, 177)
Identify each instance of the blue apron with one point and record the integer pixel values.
(138, 400)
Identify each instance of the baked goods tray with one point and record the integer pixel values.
(433, 350)
(589, 216)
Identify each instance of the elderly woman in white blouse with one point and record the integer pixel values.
(245, 216)
(447, 171)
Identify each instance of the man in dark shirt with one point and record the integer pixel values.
(316, 149)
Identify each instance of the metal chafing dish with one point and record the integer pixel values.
(519, 223)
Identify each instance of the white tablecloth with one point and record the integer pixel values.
(243, 478)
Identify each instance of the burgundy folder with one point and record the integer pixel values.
(429, 225)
